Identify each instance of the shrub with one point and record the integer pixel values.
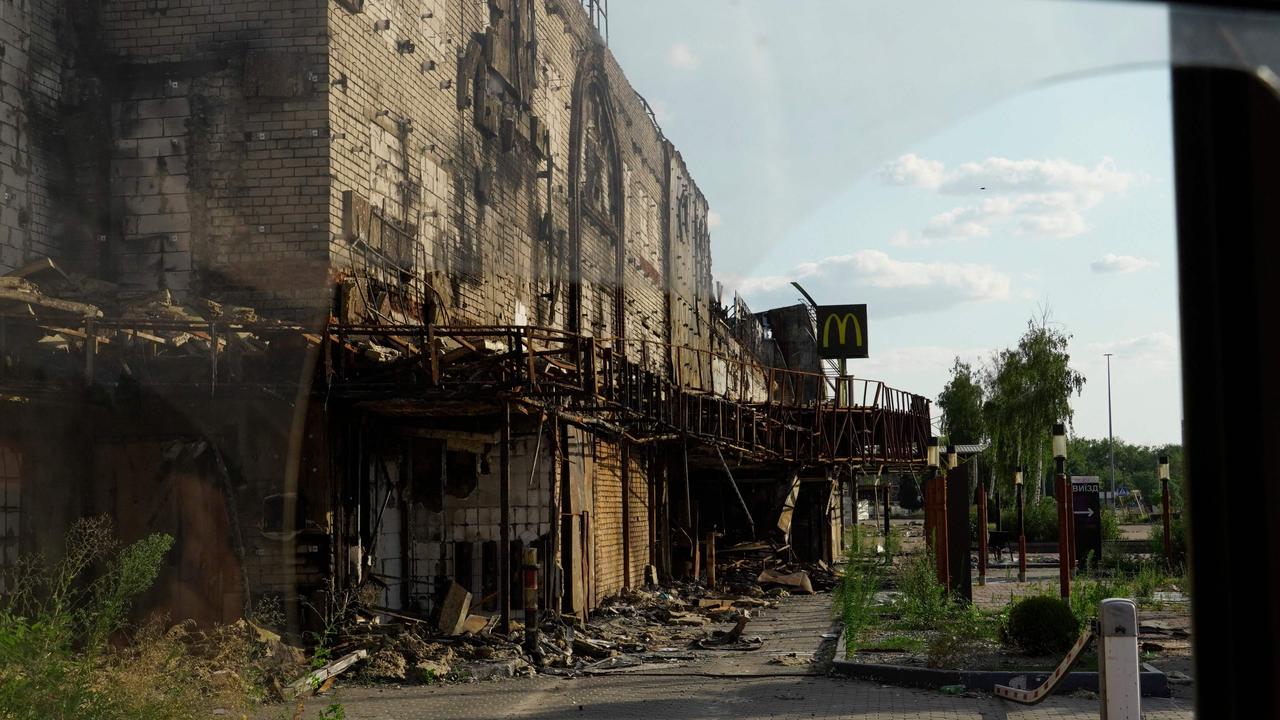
(59, 632)
(1041, 519)
(892, 545)
(1149, 579)
(1110, 524)
(1041, 626)
(855, 593)
(924, 599)
(956, 634)
(1177, 538)
(1087, 595)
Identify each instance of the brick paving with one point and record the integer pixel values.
(738, 685)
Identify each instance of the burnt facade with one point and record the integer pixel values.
(377, 293)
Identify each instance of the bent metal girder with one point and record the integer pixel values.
(756, 411)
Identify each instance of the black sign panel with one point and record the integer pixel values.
(1087, 513)
(958, 537)
(842, 331)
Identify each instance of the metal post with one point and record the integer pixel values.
(1120, 692)
(982, 533)
(886, 512)
(1111, 442)
(1064, 529)
(1022, 536)
(1167, 517)
(937, 503)
(1162, 471)
(504, 499)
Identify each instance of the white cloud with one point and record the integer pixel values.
(713, 219)
(1036, 176)
(1044, 198)
(1154, 351)
(682, 57)
(913, 170)
(1120, 264)
(904, 239)
(893, 287)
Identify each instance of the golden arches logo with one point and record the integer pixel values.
(842, 324)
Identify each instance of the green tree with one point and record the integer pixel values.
(1028, 388)
(1135, 466)
(961, 403)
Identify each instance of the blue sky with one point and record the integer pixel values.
(956, 166)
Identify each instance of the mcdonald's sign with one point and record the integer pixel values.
(842, 331)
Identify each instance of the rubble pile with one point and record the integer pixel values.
(763, 570)
(649, 627)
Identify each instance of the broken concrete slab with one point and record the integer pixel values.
(453, 614)
(479, 624)
(798, 580)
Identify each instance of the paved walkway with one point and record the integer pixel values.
(727, 684)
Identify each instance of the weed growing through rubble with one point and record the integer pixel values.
(924, 599)
(855, 593)
(892, 545)
(61, 633)
(961, 628)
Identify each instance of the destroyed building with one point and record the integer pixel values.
(380, 293)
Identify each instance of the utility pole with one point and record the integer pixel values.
(1111, 442)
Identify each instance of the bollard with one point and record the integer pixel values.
(1118, 678)
(531, 601)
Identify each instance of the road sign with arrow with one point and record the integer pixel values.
(1086, 510)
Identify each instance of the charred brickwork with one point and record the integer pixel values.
(32, 65)
(377, 294)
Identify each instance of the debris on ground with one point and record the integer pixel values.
(791, 660)
(798, 580)
(652, 627)
(305, 684)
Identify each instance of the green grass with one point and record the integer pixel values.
(905, 643)
(67, 649)
(854, 594)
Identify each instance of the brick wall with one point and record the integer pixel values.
(219, 150)
(638, 517)
(31, 166)
(606, 521)
(467, 524)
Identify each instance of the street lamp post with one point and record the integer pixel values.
(1064, 509)
(1022, 528)
(1111, 442)
(1162, 471)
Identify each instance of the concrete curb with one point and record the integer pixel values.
(1153, 682)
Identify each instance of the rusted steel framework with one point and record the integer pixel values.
(609, 385)
(762, 413)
